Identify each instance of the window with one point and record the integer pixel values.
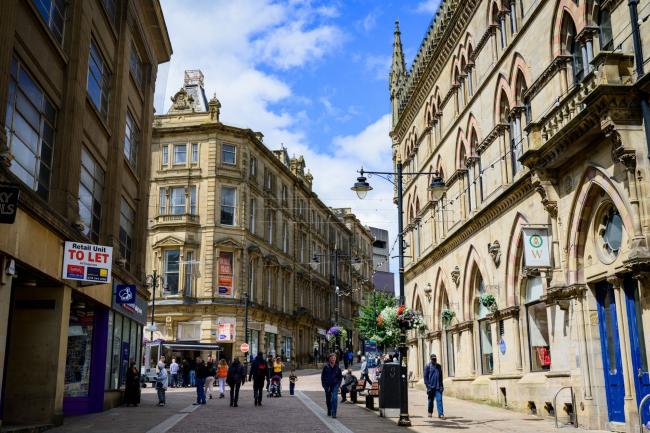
(195, 153)
(30, 120)
(570, 46)
(228, 154)
(485, 333)
(251, 222)
(188, 288)
(163, 201)
(226, 274)
(251, 280)
(605, 33)
(538, 341)
(513, 17)
(193, 209)
(165, 155)
(285, 237)
(610, 234)
(253, 166)
(270, 218)
(136, 65)
(228, 200)
(285, 194)
(111, 10)
(127, 223)
(180, 154)
(98, 80)
(170, 270)
(131, 138)
(53, 13)
(91, 187)
(177, 200)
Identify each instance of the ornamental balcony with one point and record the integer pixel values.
(170, 220)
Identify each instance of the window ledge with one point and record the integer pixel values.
(552, 374)
(506, 376)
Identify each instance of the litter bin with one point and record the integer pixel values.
(389, 390)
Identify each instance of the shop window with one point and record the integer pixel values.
(98, 80)
(180, 154)
(538, 338)
(228, 202)
(115, 353)
(30, 121)
(228, 154)
(53, 13)
(79, 349)
(171, 271)
(127, 224)
(131, 140)
(91, 188)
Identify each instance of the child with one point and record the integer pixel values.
(292, 381)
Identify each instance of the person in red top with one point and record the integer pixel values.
(222, 374)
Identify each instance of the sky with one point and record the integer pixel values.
(312, 76)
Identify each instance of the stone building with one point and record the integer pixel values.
(230, 219)
(532, 268)
(382, 278)
(76, 89)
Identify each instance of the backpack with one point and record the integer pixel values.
(261, 369)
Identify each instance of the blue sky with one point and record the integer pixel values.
(308, 74)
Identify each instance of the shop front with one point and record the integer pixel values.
(270, 339)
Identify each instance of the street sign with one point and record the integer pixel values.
(125, 294)
(8, 203)
(244, 347)
(87, 262)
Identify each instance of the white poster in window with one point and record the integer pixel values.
(537, 252)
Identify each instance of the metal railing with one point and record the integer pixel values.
(574, 415)
(640, 413)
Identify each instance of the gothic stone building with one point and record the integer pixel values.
(532, 113)
(229, 219)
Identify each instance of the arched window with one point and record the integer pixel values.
(605, 28)
(485, 329)
(418, 247)
(500, 21)
(570, 46)
(537, 319)
(477, 179)
(513, 16)
(470, 72)
(449, 339)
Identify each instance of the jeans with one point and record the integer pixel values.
(174, 381)
(438, 397)
(292, 387)
(352, 390)
(161, 395)
(208, 385)
(366, 376)
(192, 378)
(258, 387)
(200, 390)
(222, 384)
(332, 399)
(234, 392)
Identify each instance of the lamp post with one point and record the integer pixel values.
(356, 264)
(153, 280)
(437, 189)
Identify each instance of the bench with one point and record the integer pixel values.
(361, 386)
(372, 393)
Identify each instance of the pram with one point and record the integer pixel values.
(275, 389)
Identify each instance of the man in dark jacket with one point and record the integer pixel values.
(258, 373)
(433, 382)
(349, 386)
(201, 373)
(236, 375)
(331, 380)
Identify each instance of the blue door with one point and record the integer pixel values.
(637, 344)
(611, 351)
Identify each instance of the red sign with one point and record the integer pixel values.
(244, 347)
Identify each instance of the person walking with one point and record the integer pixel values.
(350, 357)
(269, 371)
(292, 381)
(346, 360)
(192, 372)
(209, 380)
(433, 382)
(364, 370)
(222, 375)
(201, 372)
(161, 383)
(132, 388)
(235, 375)
(330, 378)
(258, 373)
(173, 371)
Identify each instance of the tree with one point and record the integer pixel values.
(366, 324)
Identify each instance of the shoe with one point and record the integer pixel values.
(430, 415)
(221, 396)
(236, 405)
(333, 416)
(195, 404)
(442, 417)
(231, 404)
(255, 403)
(329, 413)
(210, 397)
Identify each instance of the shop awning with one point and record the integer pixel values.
(191, 346)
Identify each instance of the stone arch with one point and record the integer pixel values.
(473, 264)
(472, 125)
(441, 284)
(494, 4)
(565, 8)
(519, 65)
(513, 254)
(440, 167)
(461, 149)
(593, 181)
(502, 91)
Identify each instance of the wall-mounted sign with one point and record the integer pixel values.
(87, 262)
(226, 332)
(502, 346)
(8, 203)
(537, 252)
(271, 329)
(125, 294)
(226, 274)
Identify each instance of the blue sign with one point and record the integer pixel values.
(125, 294)
(502, 346)
(371, 346)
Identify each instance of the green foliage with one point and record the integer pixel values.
(366, 324)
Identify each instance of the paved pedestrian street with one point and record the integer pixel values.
(304, 412)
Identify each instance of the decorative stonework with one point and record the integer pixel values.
(494, 249)
(181, 102)
(455, 276)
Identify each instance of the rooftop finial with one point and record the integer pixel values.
(396, 26)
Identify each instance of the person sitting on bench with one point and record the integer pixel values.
(349, 385)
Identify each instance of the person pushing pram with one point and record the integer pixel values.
(275, 389)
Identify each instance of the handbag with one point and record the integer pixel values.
(159, 385)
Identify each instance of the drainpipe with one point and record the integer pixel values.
(638, 61)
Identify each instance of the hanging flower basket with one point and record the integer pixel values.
(336, 331)
(489, 302)
(447, 316)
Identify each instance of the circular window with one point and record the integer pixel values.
(610, 232)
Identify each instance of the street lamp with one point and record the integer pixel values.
(153, 280)
(437, 189)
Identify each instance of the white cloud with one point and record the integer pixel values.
(378, 65)
(428, 6)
